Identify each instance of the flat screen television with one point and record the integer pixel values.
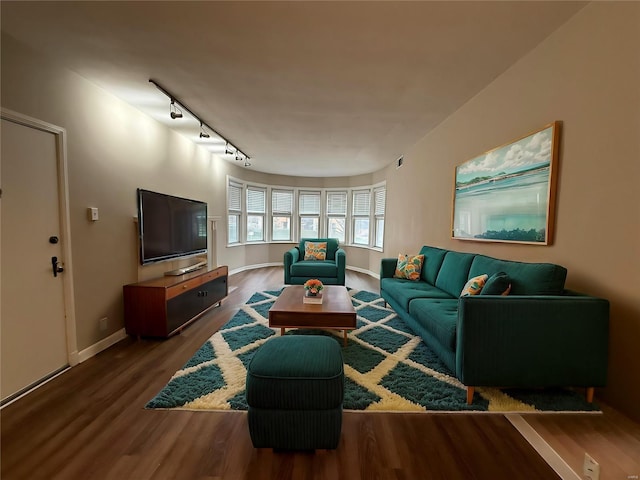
(170, 227)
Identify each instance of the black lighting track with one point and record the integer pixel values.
(175, 99)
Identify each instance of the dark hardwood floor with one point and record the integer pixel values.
(90, 423)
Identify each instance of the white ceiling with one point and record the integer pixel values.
(303, 88)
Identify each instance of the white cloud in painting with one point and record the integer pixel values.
(525, 153)
(486, 163)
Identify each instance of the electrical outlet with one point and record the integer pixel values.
(591, 468)
(103, 323)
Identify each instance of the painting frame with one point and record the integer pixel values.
(508, 194)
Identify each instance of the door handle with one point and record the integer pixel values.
(55, 265)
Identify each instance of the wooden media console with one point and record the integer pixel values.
(164, 306)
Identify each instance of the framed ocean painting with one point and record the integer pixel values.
(508, 194)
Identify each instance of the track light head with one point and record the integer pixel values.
(227, 150)
(174, 111)
(203, 133)
(247, 163)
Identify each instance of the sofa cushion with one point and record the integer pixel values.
(497, 284)
(433, 258)
(403, 291)
(439, 317)
(409, 266)
(474, 286)
(454, 272)
(314, 269)
(526, 278)
(315, 250)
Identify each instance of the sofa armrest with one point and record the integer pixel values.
(388, 267)
(341, 264)
(290, 257)
(533, 341)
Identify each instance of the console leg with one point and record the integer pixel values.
(282, 331)
(590, 391)
(470, 391)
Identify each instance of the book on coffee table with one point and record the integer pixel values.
(315, 300)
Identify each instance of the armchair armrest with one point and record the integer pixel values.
(533, 341)
(292, 255)
(388, 267)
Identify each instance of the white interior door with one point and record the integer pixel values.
(32, 311)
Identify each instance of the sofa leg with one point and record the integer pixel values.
(470, 391)
(590, 391)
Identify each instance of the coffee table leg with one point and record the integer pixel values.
(282, 331)
(345, 337)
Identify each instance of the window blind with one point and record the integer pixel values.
(337, 203)
(309, 203)
(361, 202)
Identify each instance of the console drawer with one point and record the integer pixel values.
(183, 287)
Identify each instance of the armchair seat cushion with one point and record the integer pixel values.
(314, 268)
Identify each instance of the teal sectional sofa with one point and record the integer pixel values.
(539, 335)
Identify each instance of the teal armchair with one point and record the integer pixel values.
(330, 271)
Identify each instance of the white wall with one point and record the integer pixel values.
(587, 75)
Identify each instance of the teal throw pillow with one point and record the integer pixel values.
(497, 284)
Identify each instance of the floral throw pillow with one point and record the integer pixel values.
(474, 285)
(315, 250)
(409, 267)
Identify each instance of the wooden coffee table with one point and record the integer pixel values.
(335, 313)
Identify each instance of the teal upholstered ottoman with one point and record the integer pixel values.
(295, 388)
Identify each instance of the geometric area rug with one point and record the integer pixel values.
(387, 368)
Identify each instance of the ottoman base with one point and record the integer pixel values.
(295, 429)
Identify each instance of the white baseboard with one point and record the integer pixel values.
(103, 344)
(542, 447)
(366, 272)
(277, 264)
(253, 267)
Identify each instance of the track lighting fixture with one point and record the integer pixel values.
(176, 112)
